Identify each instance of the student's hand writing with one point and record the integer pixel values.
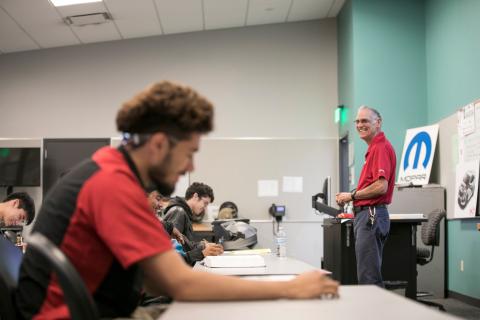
(212, 249)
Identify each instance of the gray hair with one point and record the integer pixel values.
(375, 111)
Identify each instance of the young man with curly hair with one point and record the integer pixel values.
(99, 216)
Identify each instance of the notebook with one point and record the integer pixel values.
(244, 261)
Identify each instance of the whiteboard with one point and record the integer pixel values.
(233, 167)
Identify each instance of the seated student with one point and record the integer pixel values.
(17, 208)
(180, 212)
(156, 203)
(100, 219)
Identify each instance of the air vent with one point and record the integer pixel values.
(88, 19)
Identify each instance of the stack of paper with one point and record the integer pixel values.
(246, 261)
(247, 252)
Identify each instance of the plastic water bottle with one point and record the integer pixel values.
(281, 242)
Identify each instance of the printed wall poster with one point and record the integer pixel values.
(417, 156)
(466, 190)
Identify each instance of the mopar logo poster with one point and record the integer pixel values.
(417, 156)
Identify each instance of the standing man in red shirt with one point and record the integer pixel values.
(370, 199)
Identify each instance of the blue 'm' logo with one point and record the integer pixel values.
(421, 138)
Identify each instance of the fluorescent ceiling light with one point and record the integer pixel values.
(61, 3)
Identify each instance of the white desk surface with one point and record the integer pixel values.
(275, 266)
(355, 302)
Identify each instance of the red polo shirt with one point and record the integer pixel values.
(380, 161)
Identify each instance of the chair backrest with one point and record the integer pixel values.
(77, 297)
(431, 228)
(10, 261)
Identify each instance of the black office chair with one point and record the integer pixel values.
(77, 297)
(430, 237)
(10, 260)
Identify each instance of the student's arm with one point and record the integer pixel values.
(166, 273)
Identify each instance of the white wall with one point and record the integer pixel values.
(275, 81)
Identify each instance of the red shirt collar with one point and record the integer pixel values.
(379, 137)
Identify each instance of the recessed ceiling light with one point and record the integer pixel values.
(61, 3)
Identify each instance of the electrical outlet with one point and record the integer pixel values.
(461, 265)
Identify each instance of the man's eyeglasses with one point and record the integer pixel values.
(364, 121)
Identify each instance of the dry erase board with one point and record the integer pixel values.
(233, 167)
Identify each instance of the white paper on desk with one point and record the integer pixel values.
(247, 252)
(271, 277)
(292, 184)
(267, 188)
(251, 261)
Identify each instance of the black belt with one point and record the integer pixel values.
(361, 208)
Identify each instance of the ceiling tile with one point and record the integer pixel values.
(97, 33)
(267, 11)
(309, 9)
(41, 21)
(221, 14)
(12, 37)
(336, 7)
(180, 15)
(91, 33)
(134, 20)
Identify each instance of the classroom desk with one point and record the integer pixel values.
(355, 302)
(203, 231)
(274, 266)
(399, 253)
(201, 226)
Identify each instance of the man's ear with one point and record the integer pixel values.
(16, 203)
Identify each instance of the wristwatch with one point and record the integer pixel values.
(352, 194)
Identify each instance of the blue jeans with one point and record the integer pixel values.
(369, 242)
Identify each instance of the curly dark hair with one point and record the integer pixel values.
(201, 189)
(26, 203)
(166, 107)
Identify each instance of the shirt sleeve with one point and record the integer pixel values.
(123, 219)
(382, 164)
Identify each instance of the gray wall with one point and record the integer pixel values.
(275, 81)
(272, 81)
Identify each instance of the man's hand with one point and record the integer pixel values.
(178, 235)
(212, 249)
(313, 284)
(343, 197)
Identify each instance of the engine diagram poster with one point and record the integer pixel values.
(466, 189)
